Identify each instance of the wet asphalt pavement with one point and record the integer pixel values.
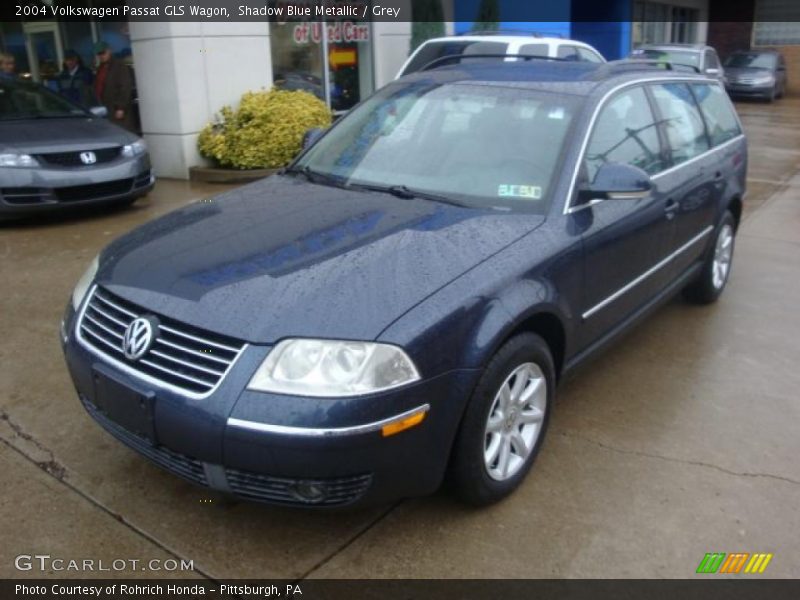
(681, 439)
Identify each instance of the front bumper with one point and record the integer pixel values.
(756, 91)
(42, 189)
(279, 449)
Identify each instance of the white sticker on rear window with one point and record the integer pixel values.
(531, 192)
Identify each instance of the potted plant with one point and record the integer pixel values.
(259, 137)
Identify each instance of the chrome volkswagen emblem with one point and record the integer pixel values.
(88, 158)
(138, 338)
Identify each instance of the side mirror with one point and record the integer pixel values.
(617, 181)
(99, 111)
(311, 136)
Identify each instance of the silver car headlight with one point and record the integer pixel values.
(137, 148)
(332, 369)
(764, 80)
(18, 160)
(79, 293)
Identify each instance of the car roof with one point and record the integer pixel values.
(673, 46)
(507, 39)
(577, 78)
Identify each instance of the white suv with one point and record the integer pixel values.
(528, 45)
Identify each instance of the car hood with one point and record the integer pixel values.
(734, 72)
(284, 257)
(37, 136)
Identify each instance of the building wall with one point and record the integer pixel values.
(729, 36)
(185, 72)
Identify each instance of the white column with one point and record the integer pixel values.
(186, 72)
(391, 42)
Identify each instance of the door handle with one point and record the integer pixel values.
(671, 207)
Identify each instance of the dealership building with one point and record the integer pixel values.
(186, 71)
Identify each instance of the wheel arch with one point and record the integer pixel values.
(735, 206)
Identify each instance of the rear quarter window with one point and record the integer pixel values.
(535, 50)
(718, 113)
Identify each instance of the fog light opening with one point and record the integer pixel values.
(311, 492)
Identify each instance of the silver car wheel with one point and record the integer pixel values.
(723, 253)
(515, 421)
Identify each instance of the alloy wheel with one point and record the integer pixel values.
(723, 253)
(514, 422)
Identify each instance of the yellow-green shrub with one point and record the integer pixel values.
(266, 131)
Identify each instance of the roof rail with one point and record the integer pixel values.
(651, 62)
(437, 62)
(536, 34)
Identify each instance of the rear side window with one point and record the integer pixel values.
(625, 132)
(433, 50)
(535, 50)
(682, 122)
(717, 111)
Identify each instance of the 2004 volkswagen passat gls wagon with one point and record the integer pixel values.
(400, 304)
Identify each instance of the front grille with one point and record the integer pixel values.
(189, 468)
(279, 490)
(73, 159)
(183, 357)
(93, 190)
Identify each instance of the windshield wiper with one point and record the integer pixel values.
(317, 176)
(406, 193)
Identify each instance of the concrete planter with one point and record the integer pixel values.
(220, 175)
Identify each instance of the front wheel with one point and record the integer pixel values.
(505, 421)
(717, 266)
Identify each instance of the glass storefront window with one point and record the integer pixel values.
(117, 35)
(77, 36)
(296, 58)
(298, 61)
(13, 42)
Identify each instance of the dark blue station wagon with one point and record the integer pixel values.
(398, 306)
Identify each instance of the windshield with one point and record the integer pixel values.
(752, 60)
(478, 145)
(676, 57)
(25, 100)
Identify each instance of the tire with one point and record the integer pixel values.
(488, 427)
(713, 278)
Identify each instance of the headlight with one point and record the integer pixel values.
(765, 80)
(135, 149)
(18, 160)
(83, 284)
(327, 368)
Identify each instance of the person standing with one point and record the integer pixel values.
(8, 66)
(75, 81)
(113, 86)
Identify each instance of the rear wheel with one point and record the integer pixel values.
(505, 421)
(717, 266)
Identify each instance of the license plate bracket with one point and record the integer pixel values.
(129, 408)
